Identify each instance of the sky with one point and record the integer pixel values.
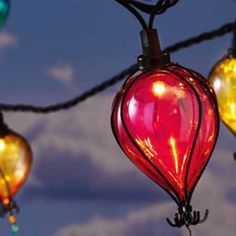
(81, 184)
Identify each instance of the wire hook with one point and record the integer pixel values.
(187, 217)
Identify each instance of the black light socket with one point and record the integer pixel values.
(152, 55)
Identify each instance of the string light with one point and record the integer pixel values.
(209, 35)
(223, 79)
(165, 119)
(168, 92)
(15, 165)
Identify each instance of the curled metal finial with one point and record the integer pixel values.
(187, 217)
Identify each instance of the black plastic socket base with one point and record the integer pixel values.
(151, 62)
(152, 56)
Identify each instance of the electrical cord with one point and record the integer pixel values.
(132, 10)
(153, 10)
(222, 30)
(160, 8)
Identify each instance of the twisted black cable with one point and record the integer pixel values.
(161, 7)
(149, 9)
(73, 102)
(223, 30)
(125, 4)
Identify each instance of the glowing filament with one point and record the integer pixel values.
(159, 88)
(2, 145)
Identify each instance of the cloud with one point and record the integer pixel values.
(65, 73)
(7, 40)
(77, 157)
(149, 221)
(211, 194)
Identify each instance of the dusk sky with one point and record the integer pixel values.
(81, 184)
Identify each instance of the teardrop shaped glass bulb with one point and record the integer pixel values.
(15, 164)
(223, 80)
(4, 11)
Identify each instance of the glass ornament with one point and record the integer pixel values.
(223, 80)
(15, 166)
(12, 219)
(166, 121)
(4, 11)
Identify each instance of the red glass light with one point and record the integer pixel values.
(166, 121)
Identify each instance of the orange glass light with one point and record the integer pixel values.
(15, 164)
(12, 219)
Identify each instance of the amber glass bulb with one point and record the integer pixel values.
(223, 80)
(15, 164)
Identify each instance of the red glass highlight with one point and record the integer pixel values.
(166, 121)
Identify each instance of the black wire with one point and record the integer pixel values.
(145, 8)
(190, 232)
(223, 30)
(125, 4)
(154, 13)
(73, 102)
(234, 41)
(161, 7)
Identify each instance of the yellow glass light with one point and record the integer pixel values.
(223, 80)
(15, 164)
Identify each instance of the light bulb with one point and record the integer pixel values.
(165, 119)
(15, 162)
(4, 11)
(223, 80)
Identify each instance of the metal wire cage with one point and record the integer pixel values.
(166, 121)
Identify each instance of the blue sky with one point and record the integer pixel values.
(81, 184)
